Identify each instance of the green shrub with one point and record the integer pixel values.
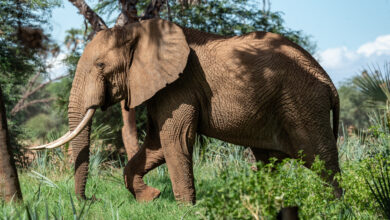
(250, 194)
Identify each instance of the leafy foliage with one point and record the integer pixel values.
(251, 194)
(23, 49)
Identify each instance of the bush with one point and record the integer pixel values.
(251, 194)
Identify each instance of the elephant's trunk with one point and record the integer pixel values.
(80, 144)
(86, 95)
(80, 152)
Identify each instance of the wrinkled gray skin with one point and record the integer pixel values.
(258, 90)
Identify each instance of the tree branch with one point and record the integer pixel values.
(94, 19)
(28, 93)
(33, 102)
(186, 3)
(128, 12)
(32, 81)
(153, 9)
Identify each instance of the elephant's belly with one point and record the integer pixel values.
(245, 125)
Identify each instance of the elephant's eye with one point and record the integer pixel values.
(100, 65)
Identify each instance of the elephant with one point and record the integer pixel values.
(259, 90)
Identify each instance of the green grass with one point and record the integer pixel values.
(53, 195)
(48, 189)
(227, 188)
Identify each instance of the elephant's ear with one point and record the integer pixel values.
(160, 55)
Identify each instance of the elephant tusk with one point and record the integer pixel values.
(69, 135)
(56, 141)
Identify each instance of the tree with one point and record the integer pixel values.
(9, 182)
(353, 109)
(23, 46)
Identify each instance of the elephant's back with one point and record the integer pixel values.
(266, 63)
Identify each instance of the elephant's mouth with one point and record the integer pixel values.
(69, 135)
(108, 98)
(104, 106)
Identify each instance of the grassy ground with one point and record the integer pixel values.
(53, 196)
(48, 189)
(226, 187)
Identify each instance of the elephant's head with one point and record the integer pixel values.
(131, 62)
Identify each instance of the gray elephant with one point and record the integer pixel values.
(259, 90)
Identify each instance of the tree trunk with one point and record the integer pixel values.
(9, 182)
(129, 131)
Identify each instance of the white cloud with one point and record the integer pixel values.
(336, 57)
(341, 62)
(380, 46)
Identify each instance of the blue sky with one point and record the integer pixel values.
(350, 34)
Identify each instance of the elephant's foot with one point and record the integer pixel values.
(147, 194)
(187, 197)
(337, 191)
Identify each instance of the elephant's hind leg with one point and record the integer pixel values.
(147, 158)
(317, 139)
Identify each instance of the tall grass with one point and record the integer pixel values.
(225, 185)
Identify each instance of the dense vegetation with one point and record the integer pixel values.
(227, 185)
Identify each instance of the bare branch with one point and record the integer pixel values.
(29, 92)
(43, 85)
(32, 81)
(169, 11)
(128, 12)
(266, 7)
(94, 19)
(186, 3)
(33, 102)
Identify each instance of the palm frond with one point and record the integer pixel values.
(380, 186)
(375, 84)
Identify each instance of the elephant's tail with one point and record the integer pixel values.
(336, 116)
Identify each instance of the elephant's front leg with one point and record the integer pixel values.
(177, 138)
(147, 158)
